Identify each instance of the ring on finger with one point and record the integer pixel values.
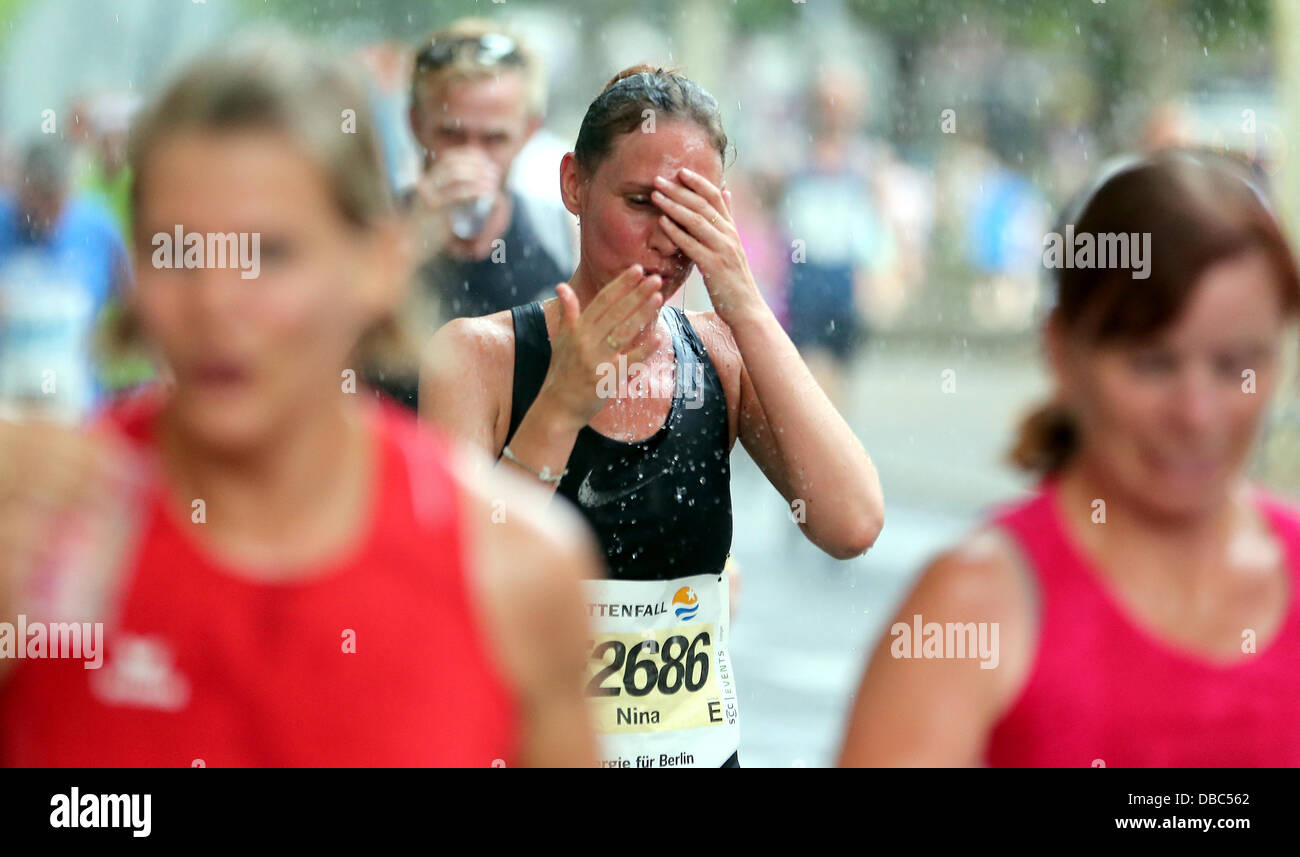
(609, 340)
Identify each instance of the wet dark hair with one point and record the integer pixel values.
(1200, 209)
(620, 109)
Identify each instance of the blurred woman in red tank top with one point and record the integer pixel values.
(352, 589)
(1142, 608)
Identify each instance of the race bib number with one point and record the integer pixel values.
(659, 677)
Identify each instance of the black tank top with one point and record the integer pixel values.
(661, 507)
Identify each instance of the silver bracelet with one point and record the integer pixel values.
(544, 474)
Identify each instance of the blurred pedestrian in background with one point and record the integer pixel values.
(388, 65)
(477, 96)
(61, 260)
(840, 242)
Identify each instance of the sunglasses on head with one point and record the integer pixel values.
(487, 50)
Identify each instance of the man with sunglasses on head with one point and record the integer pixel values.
(477, 96)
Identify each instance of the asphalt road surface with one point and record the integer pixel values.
(804, 622)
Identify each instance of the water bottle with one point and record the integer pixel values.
(468, 218)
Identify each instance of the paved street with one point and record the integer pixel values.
(805, 622)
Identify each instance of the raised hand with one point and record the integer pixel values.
(588, 338)
(697, 217)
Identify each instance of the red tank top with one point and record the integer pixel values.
(207, 665)
(1103, 688)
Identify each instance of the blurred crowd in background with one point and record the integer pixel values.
(895, 165)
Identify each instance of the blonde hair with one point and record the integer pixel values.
(276, 82)
(466, 68)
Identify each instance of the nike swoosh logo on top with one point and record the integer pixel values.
(589, 497)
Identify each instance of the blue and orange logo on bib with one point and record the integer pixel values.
(686, 603)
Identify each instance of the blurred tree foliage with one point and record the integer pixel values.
(1032, 22)
(1127, 53)
(1154, 48)
(1041, 21)
(399, 18)
(8, 11)
(1119, 43)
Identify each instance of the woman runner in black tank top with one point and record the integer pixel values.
(660, 685)
(661, 507)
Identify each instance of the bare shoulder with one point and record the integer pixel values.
(717, 338)
(985, 579)
(481, 351)
(903, 711)
(528, 556)
(721, 346)
(488, 339)
(984, 573)
(538, 541)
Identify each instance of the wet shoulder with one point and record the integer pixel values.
(720, 344)
(482, 347)
(485, 333)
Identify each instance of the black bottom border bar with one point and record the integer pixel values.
(252, 806)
